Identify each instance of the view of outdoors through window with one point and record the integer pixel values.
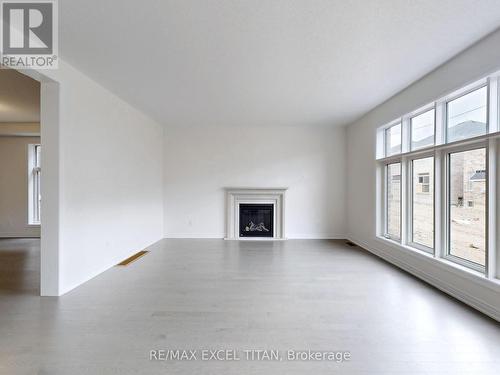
(393, 229)
(467, 205)
(423, 201)
(393, 140)
(467, 115)
(422, 130)
(451, 135)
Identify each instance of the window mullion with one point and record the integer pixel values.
(493, 110)
(405, 134)
(440, 132)
(404, 200)
(491, 206)
(440, 209)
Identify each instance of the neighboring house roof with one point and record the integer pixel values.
(427, 141)
(463, 130)
(466, 130)
(478, 176)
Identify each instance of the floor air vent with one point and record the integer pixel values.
(133, 258)
(349, 243)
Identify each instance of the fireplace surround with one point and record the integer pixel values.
(262, 210)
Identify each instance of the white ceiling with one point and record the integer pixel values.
(266, 62)
(19, 97)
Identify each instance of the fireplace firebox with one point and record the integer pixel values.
(256, 220)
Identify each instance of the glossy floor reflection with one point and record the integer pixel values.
(215, 294)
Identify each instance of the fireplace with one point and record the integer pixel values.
(256, 220)
(255, 213)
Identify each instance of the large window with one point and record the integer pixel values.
(393, 213)
(467, 205)
(34, 187)
(467, 115)
(439, 168)
(393, 140)
(423, 202)
(422, 130)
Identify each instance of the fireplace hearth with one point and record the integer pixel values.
(256, 220)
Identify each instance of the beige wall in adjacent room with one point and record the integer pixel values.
(14, 187)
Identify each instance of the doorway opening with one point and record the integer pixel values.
(21, 187)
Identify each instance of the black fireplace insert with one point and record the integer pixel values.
(256, 220)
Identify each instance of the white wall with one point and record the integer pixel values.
(104, 158)
(14, 187)
(479, 60)
(200, 161)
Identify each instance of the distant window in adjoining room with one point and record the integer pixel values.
(467, 115)
(34, 184)
(422, 130)
(393, 140)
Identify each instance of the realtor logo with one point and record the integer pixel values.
(29, 34)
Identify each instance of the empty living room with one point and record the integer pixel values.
(250, 187)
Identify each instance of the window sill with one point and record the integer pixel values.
(445, 264)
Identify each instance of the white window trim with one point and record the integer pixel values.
(439, 151)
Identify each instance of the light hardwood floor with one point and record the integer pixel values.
(215, 294)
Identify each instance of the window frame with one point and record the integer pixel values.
(411, 242)
(417, 113)
(440, 150)
(386, 139)
(447, 222)
(461, 94)
(386, 200)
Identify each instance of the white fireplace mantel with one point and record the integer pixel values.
(237, 196)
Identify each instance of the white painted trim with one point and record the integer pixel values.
(194, 235)
(300, 236)
(237, 196)
(319, 236)
(259, 239)
(469, 275)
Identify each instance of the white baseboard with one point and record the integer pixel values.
(290, 237)
(438, 283)
(318, 236)
(194, 235)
